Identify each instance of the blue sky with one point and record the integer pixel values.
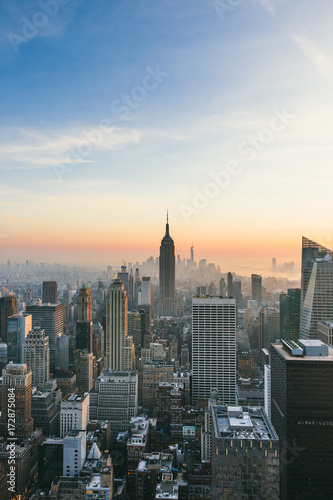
(225, 70)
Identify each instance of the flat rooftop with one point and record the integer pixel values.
(301, 359)
(237, 422)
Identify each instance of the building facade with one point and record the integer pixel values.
(214, 348)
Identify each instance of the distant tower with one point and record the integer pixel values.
(274, 264)
(146, 291)
(123, 276)
(230, 285)
(167, 275)
(256, 281)
(192, 254)
(84, 309)
(49, 293)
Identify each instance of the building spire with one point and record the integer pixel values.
(167, 225)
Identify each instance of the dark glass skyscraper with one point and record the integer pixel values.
(256, 281)
(167, 276)
(302, 401)
(290, 304)
(49, 292)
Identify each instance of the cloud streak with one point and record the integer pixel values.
(35, 149)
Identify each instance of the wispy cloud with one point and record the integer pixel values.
(32, 148)
(314, 53)
(267, 4)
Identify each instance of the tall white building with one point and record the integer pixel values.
(74, 413)
(74, 452)
(214, 348)
(36, 355)
(119, 348)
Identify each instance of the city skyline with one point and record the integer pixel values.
(220, 116)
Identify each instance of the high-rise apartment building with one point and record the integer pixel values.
(84, 307)
(18, 327)
(256, 282)
(16, 389)
(301, 405)
(317, 289)
(120, 353)
(214, 348)
(167, 276)
(36, 355)
(50, 317)
(49, 292)
(7, 308)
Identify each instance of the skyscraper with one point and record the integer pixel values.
(84, 308)
(36, 355)
(50, 317)
(290, 306)
(167, 275)
(301, 405)
(7, 308)
(214, 348)
(317, 287)
(256, 281)
(123, 277)
(146, 291)
(16, 378)
(49, 292)
(230, 285)
(84, 335)
(17, 330)
(119, 347)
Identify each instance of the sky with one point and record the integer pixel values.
(112, 112)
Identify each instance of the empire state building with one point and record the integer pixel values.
(167, 263)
